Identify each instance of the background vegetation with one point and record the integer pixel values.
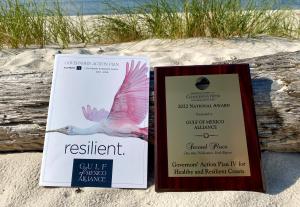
(27, 24)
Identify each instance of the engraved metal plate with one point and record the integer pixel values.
(205, 126)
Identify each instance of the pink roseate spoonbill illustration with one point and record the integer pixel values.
(128, 110)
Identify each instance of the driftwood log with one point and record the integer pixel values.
(24, 99)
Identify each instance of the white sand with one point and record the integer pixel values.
(161, 52)
(19, 173)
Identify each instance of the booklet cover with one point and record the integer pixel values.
(97, 127)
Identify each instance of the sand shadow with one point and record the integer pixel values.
(151, 133)
(281, 171)
(151, 166)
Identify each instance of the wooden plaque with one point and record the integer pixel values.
(205, 129)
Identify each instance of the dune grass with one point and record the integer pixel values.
(63, 30)
(27, 24)
(19, 26)
(214, 18)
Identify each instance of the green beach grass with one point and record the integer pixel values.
(27, 24)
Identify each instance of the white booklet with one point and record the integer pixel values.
(97, 127)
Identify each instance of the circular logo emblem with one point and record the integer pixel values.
(202, 83)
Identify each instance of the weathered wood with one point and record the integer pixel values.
(276, 87)
(24, 97)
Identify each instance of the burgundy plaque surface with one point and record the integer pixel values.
(205, 129)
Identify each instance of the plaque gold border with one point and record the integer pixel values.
(163, 182)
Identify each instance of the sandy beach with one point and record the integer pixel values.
(19, 172)
(160, 52)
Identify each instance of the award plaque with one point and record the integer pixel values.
(205, 129)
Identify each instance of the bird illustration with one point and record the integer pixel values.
(129, 108)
